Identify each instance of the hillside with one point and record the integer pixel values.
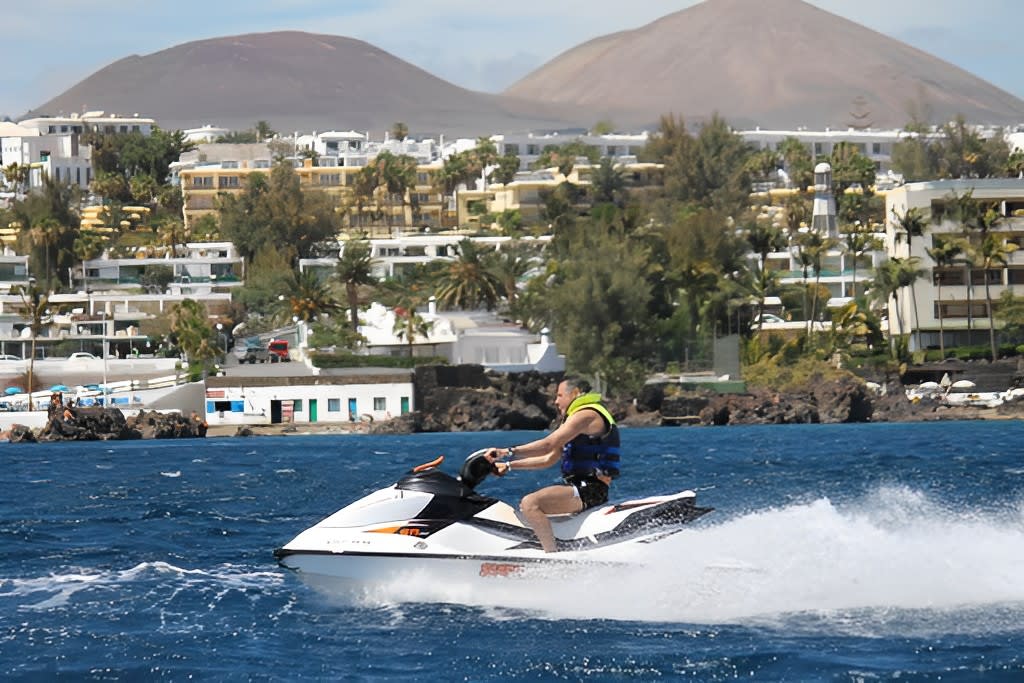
(768, 63)
(295, 81)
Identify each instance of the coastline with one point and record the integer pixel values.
(941, 414)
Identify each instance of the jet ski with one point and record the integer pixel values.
(432, 520)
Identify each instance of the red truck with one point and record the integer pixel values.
(278, 349)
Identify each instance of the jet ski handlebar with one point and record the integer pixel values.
(476, 468)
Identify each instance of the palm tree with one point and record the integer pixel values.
(508, 266)
(858, 242)
(311, 298)
(889, 278)
(911, 224)
(410, 325)
(35, 300)
(945, 254)
(763, 240)
(364, 188)
(45, 234)
(991, 254)
(812, 248)
(190, 325)
(467, 283)
(354, 269)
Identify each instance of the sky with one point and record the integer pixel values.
(49, 45)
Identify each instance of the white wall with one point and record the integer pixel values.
(252, 405)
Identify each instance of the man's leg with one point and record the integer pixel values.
(551, 500)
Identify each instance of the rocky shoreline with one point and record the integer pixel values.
(468, 399)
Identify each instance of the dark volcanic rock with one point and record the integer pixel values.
(21, 434)
(104, 424)
(88, 424)
(154, 425)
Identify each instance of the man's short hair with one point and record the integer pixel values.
(574, 382)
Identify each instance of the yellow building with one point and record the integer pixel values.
(422, 207)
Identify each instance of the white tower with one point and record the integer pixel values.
(823, 216)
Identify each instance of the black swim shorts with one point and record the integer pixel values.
(591, 490)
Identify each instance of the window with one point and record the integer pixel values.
(533, 150)
(948, 278)
(612, 150)
(380, 403)
(1015, 276)
(876, 148)
(334, 405)
(422, 179)
(227, 181)
(297, 405)
(512, 148)
(818, 149)
(202, 181)
(330, 179)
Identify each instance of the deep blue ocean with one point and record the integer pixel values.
(836, 553)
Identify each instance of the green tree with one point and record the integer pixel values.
(310, 298)
(858, 241)
(466, 282)
(35, 301)
(888, 280)
(798, 162)
(154, 279)
(763, 239)
(913, 223)
(991, 254)
(849, 168)
(399, 131)
(946, 253)
(607, 184)
(193, 334)
(508, 166)
(354, 270)
(276, 211)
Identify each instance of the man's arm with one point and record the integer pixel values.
(546, 451)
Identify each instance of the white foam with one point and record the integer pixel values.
(55, 590)
(894, 550)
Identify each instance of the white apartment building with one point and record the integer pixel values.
(622, 147)
(876, 145)
(59, 156)
(203, 267)
(95, 121)
(962, 305)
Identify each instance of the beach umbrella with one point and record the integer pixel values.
(930, 385)
(11, 391)
(964, 384)
(59, 387)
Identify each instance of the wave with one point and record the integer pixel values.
(894, 551)
(56, 590)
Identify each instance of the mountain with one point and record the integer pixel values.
(771, 63)
(294, 81)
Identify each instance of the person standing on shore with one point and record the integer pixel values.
(586, 443)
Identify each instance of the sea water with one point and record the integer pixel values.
(835, 553)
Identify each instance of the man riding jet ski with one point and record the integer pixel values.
(431, 520)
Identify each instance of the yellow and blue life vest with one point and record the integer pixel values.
(586, 456)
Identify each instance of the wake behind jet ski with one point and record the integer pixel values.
(432, 520)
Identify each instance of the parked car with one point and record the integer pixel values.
(251, 351)
(82, 355)
(7, 356)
